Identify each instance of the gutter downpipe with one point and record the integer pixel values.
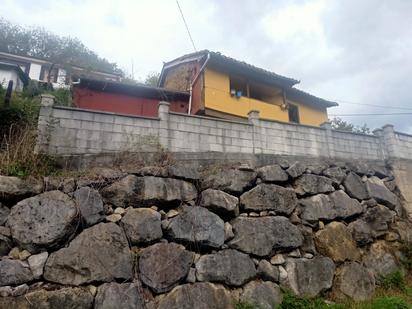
(194, 80)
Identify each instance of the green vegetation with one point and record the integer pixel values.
(40, 43)
(291, 301)
(152, 79)
(18, 138)
(395, 281)
(406, 259)
(394, 292)
(341, 125)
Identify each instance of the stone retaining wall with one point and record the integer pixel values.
(71, 131)
(183, 237)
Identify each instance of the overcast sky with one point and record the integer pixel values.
(350, 51)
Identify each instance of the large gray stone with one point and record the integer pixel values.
(233, 181)
(36, 263)
(99, 253)
(91, 205)
(197, 226)
(296, 169)
(259, 236)
(230, 267)
(70, 298)
(336, 242)
(163, 265)
(377, 190)
(221, 203)
(272, 173)
(267, 271)
(345, 206)
(13, 189)
(404, 229)
(380, 261)
(269, 197)
(335, 173)
(184, 171)
(309, 184)
(4, 212)
(374, 223)
(119, 295)
(354, 281)
(123, 193)
(142, 225)
(355, 187)
(165, 191)
(337, 205)
(200, 295)
(309, 277)
(14, 272)
(264, 295)
(149, 190)
(5, 245)
(43, 221)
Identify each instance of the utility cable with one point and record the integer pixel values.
(187, 27)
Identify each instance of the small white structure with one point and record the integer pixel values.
(57, 74)
(12, 72)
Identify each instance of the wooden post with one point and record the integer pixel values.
(9, 91)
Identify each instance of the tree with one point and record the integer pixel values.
(341, 125)
(40, 43)
(152, 79)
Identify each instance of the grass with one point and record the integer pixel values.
(394, 292)
(18, 139)
(406, 250)
(17, 157)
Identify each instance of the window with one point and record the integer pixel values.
(293, 113)
(239, 86)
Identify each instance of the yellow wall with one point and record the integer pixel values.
(217, 97)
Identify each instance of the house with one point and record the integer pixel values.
(220, 86)
(12, 72)
(59, 75)
(122, 98)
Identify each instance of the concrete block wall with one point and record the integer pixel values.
(403, 144)
(66, 131)
(203, 134)
(356, 146)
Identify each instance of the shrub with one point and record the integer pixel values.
(394, 281)
(62, 96)
(17, 157)
(22, 112)
(389, 303)
(406, 250)
(291, 301)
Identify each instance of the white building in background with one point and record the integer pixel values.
(42, 71)
(12, 72)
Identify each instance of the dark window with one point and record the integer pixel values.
(293, 113)
(239, 87)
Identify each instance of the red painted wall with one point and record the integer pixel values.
(122, 104)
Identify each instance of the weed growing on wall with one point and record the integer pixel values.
(18, 129)
(17, 157)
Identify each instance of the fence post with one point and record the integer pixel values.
(164, 108)
(329, 138)
(379, 133)
(253, 119)
(389, 140)
(44, 123)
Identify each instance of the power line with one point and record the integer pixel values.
(374, 105)
(373, 114)
(187, 27)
